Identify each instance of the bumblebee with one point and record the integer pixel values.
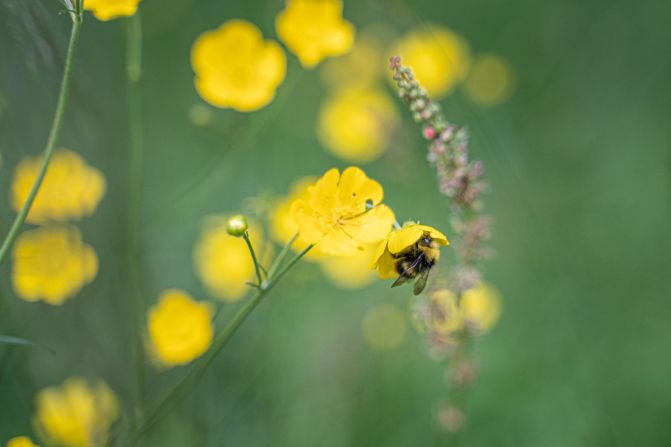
(416, 261)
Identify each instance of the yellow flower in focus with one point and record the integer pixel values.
(52, 264)
(384, 327)
(111, 9)
(491, 80)
(314, 30)
(398, 243)
(282, 223)
(356, 124)
(235, 68)
(438, 57)
(350, 272)
(341, 213)
(445, 316)
(71, 189)
(180, 329)
(21, 441)
(77, 414)
(223, 262)
(481, 307)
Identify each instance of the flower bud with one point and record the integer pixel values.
(237, 225)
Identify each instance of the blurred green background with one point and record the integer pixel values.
(578, 161)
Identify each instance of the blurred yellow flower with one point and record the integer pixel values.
(52, 264)
(282, 223)
(21, 441)
(362, 66)
(77, 414)
(314, 30)
(491, 80)
(398, 242)
(235, 68)
(180, 329)
(71, 189)
(350, 272)
(445, 316)
(343, 212)
(438, 57)
(111, 9)
(223, 262)
(384, 327)
(480, 307)
(356, 124)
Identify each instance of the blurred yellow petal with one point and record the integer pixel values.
(76, 414)
(438, 57)
(235, 68)
(356, 125)
(491, 80)
(52, 264)
(71, 189)
(481, 307)
(314, 30)
(111, 9)
(350, 271)
(180, 329)
(21, 441)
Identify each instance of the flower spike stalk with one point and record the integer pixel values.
(75, 8)
(445, 313)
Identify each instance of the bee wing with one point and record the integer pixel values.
(421, 282)
(400, 281)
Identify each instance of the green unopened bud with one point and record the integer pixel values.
(237, 225)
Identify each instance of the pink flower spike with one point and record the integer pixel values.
(429, 133)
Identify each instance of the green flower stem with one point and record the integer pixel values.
(257, 266)
(51, 140)
(283, 254)
(133, 28)
(189, 380)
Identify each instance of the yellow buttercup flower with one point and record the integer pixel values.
(480, 307)
(282, 223)
(398, 243)
(71, 189)
(350, 272)
(438, 57)
(223, 262)
(52, 264)
(111, 9)
(21, 441)
(77, 414)
(343, 212)
(314, 30)
(491, 80)
(356, 124)
(236, 68)
(384, 327)
(445, 316)
(180, 329)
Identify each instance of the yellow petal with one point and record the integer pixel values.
(338, 243)
(371, 226)
(404, 237)
(356, 188)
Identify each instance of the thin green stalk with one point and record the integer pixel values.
(255, 260)
(51, 140)
(182, 388)
(283, 254)
(133, 28)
